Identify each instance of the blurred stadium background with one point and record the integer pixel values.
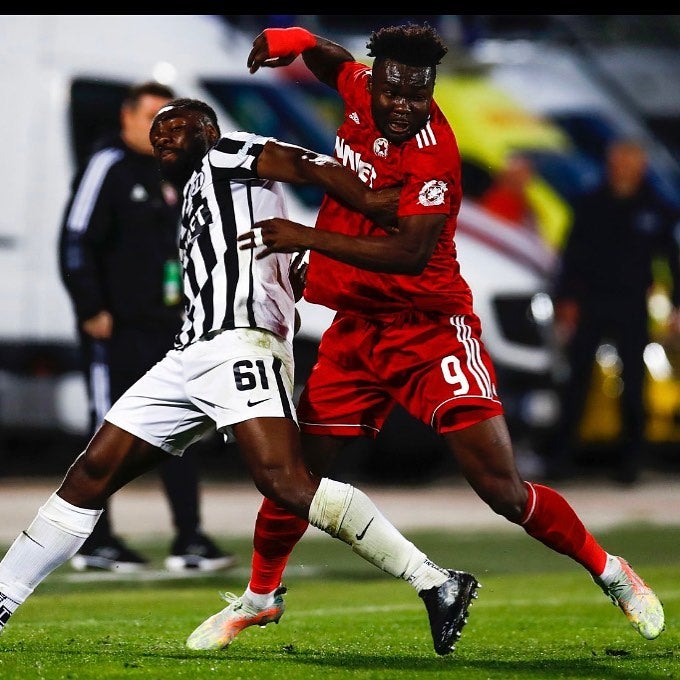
(554, 88)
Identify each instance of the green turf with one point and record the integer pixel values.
(538, 616)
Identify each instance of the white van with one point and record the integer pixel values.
(63, 80)
(63, 77)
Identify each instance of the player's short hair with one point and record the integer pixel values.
(186, 104)
(410, 44)
(150, 87)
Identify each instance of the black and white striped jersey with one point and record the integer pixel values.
(225, 287)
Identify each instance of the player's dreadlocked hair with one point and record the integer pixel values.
(192, 105)
(410, 44)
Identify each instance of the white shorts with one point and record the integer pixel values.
(235, 376)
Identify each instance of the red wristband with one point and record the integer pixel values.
(285, 41)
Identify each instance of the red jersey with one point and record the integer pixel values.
(428, 167)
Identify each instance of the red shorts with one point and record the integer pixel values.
(436, 367)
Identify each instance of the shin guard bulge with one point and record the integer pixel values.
(277, 531)
(347, 513)
(550, 519)
(54, 536)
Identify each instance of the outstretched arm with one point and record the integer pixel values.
(404, 251)
(281, 46)
(296, 165)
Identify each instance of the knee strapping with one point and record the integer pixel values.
(69, 518)
(329, 506)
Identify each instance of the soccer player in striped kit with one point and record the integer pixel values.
(231, 368)
(405, 331)
(118, 238)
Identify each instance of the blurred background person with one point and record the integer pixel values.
(118, 260)
(601, 289)
(507, 197)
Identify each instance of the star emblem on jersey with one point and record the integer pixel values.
(380, 147)
(432, 193)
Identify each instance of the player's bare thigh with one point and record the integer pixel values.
(113, 458)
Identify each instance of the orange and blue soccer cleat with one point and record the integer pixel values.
(220, 629)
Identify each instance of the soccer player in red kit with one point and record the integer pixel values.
(405, 331)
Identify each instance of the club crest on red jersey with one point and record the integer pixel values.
(380, 147)
(432, 193)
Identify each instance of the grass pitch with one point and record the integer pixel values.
(538, 616)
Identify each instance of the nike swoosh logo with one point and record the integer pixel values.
(363, 533)
(255, 403)
(30, 538)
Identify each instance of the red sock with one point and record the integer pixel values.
(277, 531)
(550, 519)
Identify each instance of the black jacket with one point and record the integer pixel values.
(613, 243)
(119, 229)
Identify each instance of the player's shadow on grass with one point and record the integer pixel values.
(601, 665)
(563, 668)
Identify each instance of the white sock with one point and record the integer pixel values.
(54, 536)
(258, 600)
(428, 575)
(347, 513)
(612, 569)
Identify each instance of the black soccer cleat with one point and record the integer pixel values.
(197, 552)
(112, 555)
(447, 607)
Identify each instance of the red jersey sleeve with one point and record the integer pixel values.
(352, 77)
(431, 163)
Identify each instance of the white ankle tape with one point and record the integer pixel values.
(12, 589)
(69, 518)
